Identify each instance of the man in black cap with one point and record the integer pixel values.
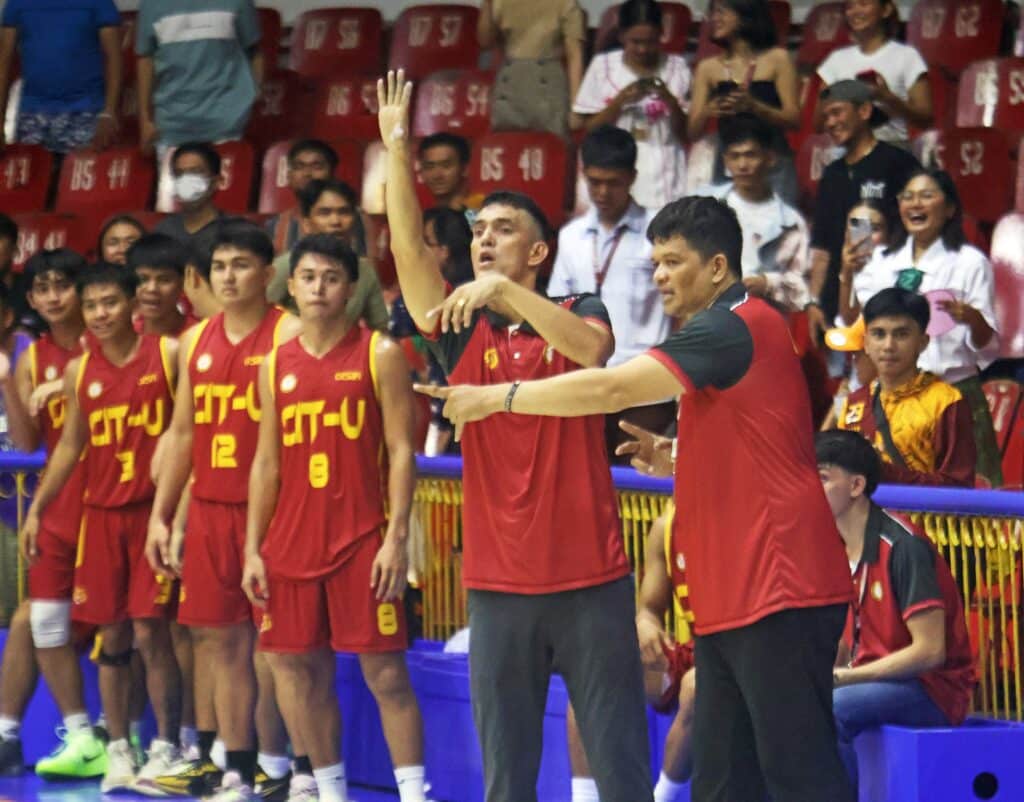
(868, 169)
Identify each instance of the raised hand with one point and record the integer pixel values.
(394, 95)
(456, 313)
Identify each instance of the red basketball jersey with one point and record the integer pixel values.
(226, 412)
(47, 362)
(332, 455)
(126, 408)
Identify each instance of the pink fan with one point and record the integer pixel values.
(940, 321)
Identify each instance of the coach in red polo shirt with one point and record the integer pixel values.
(769, 583)
(905, 657)
(543, 560)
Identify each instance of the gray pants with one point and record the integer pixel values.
(589, 637)
(532, 96)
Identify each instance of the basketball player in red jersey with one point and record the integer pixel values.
(213, 436)
(119, 400)
(322, 557)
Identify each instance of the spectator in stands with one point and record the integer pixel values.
(542, 61)
(775, 236)
(905, 657)
(895, 73)
(310, 160)
(931, 254)
(196, 170)
(329, 207)
(606, 252)
(118, 234)
(199, 69)
(159, 260)
(869, 226)
(920, 426)
(71, 71)
(444, 167)
(643, 90)
(753, 75)
(868, 169)
(8, 246)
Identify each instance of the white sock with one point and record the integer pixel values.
(275, 766)
(667, 790)
(219, 755)
(76, 722)
(9, 728)
(411, 783)
(584, 789)
(330, 783)
(187, 737)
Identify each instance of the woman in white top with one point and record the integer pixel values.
(641, 89)
(931, 253)
(896, 72)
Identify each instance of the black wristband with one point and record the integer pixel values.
(511, 395)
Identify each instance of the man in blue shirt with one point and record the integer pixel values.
(71, 71)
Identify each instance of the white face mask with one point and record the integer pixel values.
(190, 187)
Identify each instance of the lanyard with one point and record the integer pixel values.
(862, 569)
(601, 270)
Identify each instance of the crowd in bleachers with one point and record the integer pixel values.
(505, 95)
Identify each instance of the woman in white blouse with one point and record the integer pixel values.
(931, 253)
(896, 72)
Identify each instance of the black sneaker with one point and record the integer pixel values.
(272, 790)
(12, 761)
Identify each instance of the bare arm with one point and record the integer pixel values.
(265, 475)
(574, 66)
(22, 425)
(8, 41)
(257, 65)
(700, 107)
(916, 109)
(65, 456)
(177, 458)
(655, 597)
(927, 650)
(144, 74)
(487, 33)
(113, 70)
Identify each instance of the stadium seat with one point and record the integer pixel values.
(426, 39)
(454, 100)
(281, 111)
(1004, 397)
(24, 178)
(1008, 268)
(978, 159)
(46, 231)
(824, 30)
(816, 153)
(944, 99)
(94, 185)
(334, 41)
(953, 33)
(237, 171)
(346, 107)
(991, 94)
(271, 30)
(275, 196)
(782, 14)
(676, 19)
(534, 163)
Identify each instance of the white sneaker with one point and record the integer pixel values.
(120, 767)
(162, 757)
(232, 789)
(302, 789)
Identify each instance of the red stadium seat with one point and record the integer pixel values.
(1008, 269)
(46, 231)
(454, 100)
(978, 159)
(334, 41)
(991, 94)
(533, 163)
(676, 19)
(24, 178)
(95, 185)
(271, 30)
(275, 195)
(824, 31)
(782, 15)
(281, 111)
(237, 172)
(944, 99)
(816, 153)
(346, 107)
(953, 33)
(426, 39)
(1004, 397)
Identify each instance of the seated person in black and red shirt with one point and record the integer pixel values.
(905, 657)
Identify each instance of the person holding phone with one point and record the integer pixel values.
(896, 72)
(643, 90)
(867, 227)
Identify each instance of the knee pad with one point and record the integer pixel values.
(50, 622)
(115, 660)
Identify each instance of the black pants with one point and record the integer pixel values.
(589, 637)
(763, 720)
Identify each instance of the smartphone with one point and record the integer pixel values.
(648, 84)
(860, 234)
(868, 77)
(724, 88)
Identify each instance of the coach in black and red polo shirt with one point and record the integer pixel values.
(769, 584)
(905, 657)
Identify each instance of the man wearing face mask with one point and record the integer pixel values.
(196, 170)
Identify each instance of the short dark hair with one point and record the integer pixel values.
(63, 261)
(310, 194)
(445, 139)
(852, 452)
(319, 146)
(244, 235)
(116, 220)
(524, 203)
(200, 259)
(639, 12)
(328, 246)
(708, 225)
(8, 228)
(952, 234)
(757, 28)
(204, 150)
(158, 250)
(101, 273)
(609, 147)
(898, 302)
(734, 129)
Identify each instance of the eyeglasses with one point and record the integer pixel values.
(909, 278)
(927, 196)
